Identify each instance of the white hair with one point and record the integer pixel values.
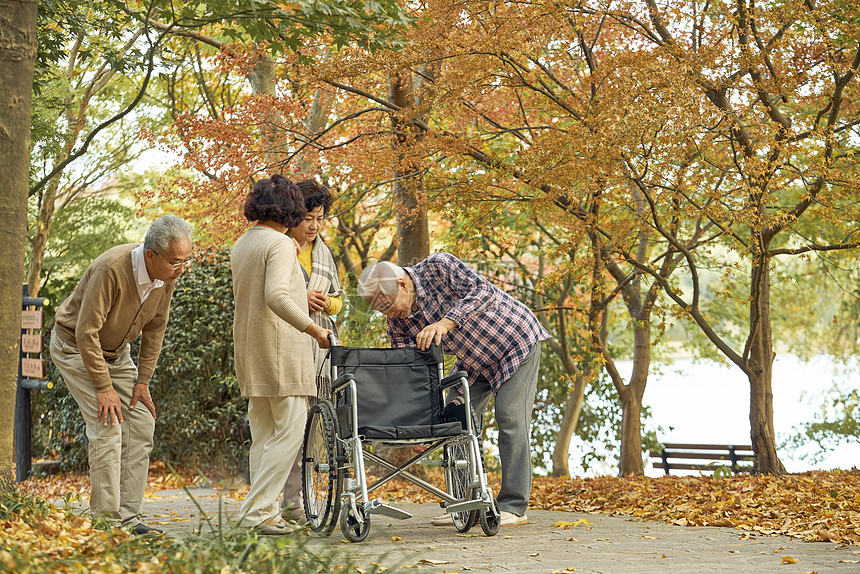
(165, 229)
(379, 279)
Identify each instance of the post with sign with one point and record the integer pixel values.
(31, 375)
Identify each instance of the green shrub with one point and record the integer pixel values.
(201, 413)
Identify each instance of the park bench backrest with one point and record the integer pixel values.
(709, 457)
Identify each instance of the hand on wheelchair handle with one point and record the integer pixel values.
(433, 333)
(319, 334)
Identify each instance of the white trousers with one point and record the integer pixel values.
(277, 430)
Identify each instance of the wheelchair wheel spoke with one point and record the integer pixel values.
(321, 483)
(458, 478)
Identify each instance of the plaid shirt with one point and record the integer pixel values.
(494, 331)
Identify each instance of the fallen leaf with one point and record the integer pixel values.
(650, 538)
(433, 562)
(789, 560)
(396, 538)
(563, 524)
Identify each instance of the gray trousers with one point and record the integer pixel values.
(118, 455)
(513, 408)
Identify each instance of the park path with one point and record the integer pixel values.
(593, 543)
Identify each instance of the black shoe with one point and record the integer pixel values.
(141, 528)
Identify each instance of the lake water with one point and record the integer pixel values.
(705, 402)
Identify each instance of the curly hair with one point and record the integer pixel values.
(315, 194)
(276, 199)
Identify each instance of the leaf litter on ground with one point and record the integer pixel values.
(812, 506)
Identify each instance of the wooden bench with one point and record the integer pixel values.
(710, 455)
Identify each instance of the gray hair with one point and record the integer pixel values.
(165, 229)
(379, 279)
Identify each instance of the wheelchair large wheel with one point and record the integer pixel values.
(491, 518)
(321, 480)
(458, 477)
(354, 530)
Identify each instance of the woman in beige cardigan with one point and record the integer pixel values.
(274, 355)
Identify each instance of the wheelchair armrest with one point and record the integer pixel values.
(342, 381)
(453, 379)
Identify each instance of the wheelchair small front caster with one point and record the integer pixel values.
(354, 530)
(491, 518)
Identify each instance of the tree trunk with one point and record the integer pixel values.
(262, 81)
(39, 240)
(569, 420)
(17, 57)
(413, 233)
(631, 433)
(307, 160)
(760, 374)
(631, 403)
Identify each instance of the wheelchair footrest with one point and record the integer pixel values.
(379, 507)
(465, 506)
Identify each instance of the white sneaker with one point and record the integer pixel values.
(444, 520)
(511, 519)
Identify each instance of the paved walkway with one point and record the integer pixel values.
(596, 544)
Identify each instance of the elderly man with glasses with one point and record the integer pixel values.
(123, 294)
(496, 340)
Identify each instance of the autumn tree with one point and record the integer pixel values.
(87, 86)
(677, 138)
(477, 113)
(17, 59)
(653, 142)
(770, 160)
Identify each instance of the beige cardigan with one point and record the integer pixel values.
(274, 358)
(104, 314)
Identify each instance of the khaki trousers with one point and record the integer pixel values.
(292, 505)
(277, 430)
(118, 455)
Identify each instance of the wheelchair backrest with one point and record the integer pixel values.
(395, 387)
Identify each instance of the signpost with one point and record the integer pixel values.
(31, 376)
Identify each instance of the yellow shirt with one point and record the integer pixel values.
(335, 303)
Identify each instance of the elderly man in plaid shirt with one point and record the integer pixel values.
(496, 340)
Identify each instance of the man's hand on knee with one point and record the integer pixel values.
(110, 409)
(141, 393)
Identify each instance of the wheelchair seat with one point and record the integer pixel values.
(399, 394)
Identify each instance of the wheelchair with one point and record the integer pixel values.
(391, 397)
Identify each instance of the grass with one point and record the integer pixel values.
(37, 537)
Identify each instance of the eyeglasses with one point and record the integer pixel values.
(176, 266)
(381, 302)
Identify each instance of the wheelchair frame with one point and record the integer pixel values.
(334, 483)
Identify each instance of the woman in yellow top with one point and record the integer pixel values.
(325, 298)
